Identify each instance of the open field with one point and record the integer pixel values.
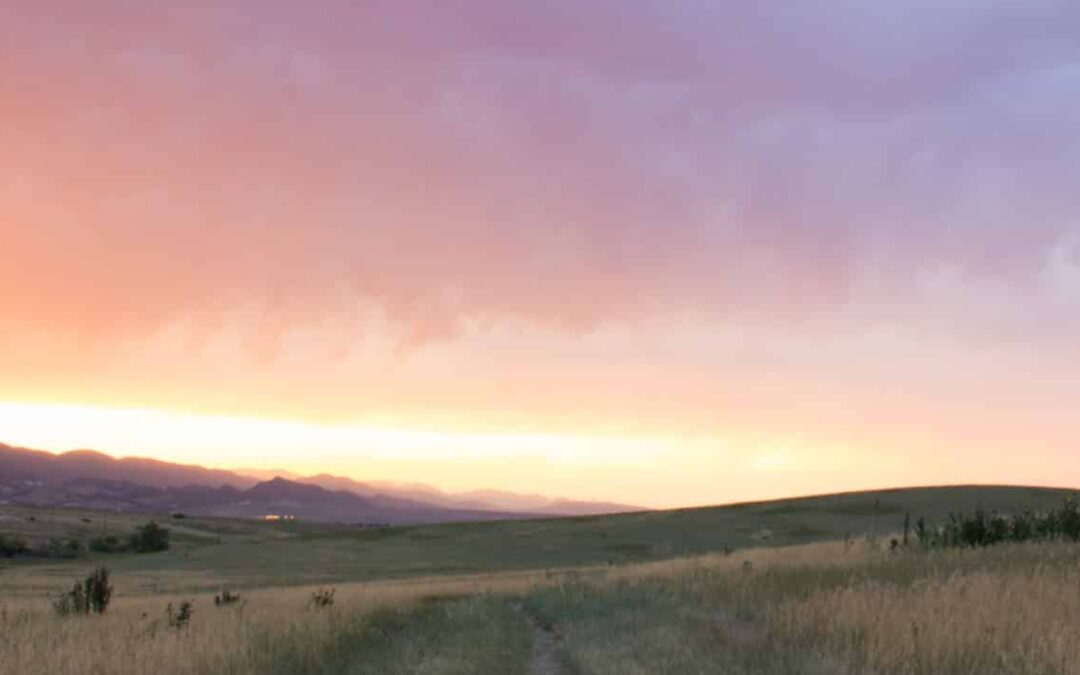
(830, 606)
(209, 553)
(817, 608)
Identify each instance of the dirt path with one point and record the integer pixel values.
(547, 654)
(736, 630)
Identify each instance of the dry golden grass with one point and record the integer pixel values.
(982, 622)
(834, 555)
(133, 635)
(819, 608)
(830, 608)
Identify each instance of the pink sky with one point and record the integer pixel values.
(667, 253)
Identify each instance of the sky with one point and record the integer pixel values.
(662, 253)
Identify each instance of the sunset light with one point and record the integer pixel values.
(393, 248)
(573, 336)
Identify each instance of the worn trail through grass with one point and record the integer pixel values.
(841, 608)
(548, 656)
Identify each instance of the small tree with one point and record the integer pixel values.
(92, 594)
(150, 538)
(11, 545)
(98, 590)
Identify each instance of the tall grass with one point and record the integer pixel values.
(830, 608)
(844, 608)
(273, 632)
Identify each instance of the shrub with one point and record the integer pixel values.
(91, 595)
(98, 590)
(150, 538)
(1068, 520)
(226, 597)
(57, 548)
(180, 617)
(978, 527)
(923, 533)
(71, 602)
(323, 597)
(107, 544)
(11, 545)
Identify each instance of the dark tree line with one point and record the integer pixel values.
(979, 527)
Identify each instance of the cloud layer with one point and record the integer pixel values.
(564, 166)
(302, 181)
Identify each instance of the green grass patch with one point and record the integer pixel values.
(245, 553)
(481, 634)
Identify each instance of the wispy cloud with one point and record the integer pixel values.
(190, 186)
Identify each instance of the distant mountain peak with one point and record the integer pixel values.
(282, 488)
(131, 482)
(488, 499)
(88, 454)
(84, 463)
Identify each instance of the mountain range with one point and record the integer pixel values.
(89, 479)
(483, 500)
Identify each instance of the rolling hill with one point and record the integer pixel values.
(464, 593)
(256, 553)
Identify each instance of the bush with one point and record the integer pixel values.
(180, 617)
(107, 544)
(91, 595)
(98, 590)
(323, 597)
(978, 528)
(226, 597)
(57, 548)
(923, 533)
(150, 538)
(11, 545)
(71, 602)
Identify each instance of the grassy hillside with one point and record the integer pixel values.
(825, 608)
(485, 597)
(844, 609)
(209, 553)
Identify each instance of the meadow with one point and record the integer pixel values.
(847, 602)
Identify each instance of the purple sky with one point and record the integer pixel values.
(852, 197)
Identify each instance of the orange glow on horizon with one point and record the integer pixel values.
(501, 245)
(647, 471)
